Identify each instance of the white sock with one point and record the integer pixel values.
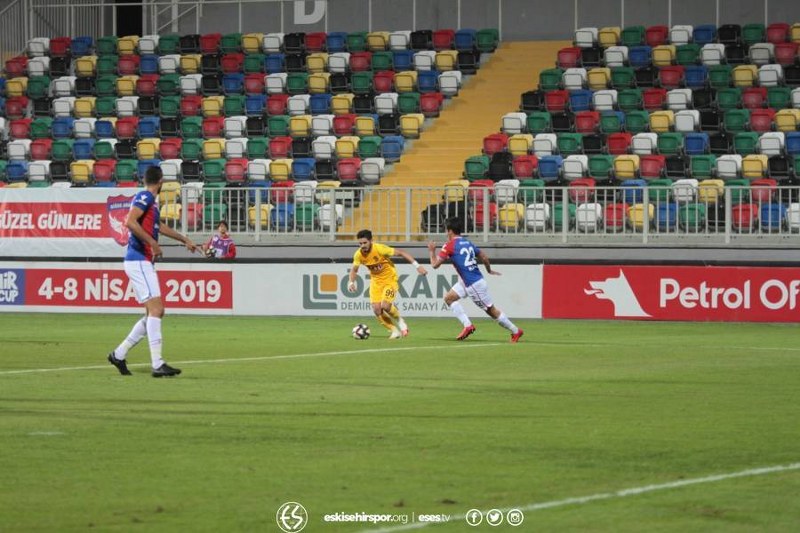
(506, 323)
(137, 333)
(154, 337)
(461, 315)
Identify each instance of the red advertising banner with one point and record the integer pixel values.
(743, 294)
(111, 288)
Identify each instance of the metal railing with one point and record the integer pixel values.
(733, 216)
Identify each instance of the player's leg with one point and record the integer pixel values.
(479, 292)
(117, 357)
(376, 291)
(391, 310)
(155, 312)
(452, 299)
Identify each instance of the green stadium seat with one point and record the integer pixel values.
(637, 121)
(539, 122)
(629, 99)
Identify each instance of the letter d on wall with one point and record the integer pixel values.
(300, 15)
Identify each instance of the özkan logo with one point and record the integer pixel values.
(619, 291)
(117, 208)
(11, 283)
(320, 291)
(291, 517)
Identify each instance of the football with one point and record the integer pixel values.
(361, 332)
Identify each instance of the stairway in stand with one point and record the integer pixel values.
(438, 155)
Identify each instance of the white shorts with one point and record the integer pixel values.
(144, 279)
(478, 293)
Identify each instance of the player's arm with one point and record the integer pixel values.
(132, 222)
(485, 260)
(407, 256)
(172, 234)
(435, 260)
(351, 282)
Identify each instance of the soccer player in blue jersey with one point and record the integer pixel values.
(466, 258)
(143, 250)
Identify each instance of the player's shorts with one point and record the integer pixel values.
(478, 293)
(144, 279)
(382, 291)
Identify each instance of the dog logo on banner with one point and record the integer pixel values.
(117, 208)
(619, 291)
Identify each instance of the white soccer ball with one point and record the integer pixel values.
(361, 332)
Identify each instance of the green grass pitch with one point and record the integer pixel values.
(270, 410)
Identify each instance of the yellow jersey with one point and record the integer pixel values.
(381, 268)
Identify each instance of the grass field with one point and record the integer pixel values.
(271, 410)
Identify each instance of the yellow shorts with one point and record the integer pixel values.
(382, 291)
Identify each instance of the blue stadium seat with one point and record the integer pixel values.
(772, 216)
(695, 76)
(17, 171)
(550, 167)
(403, 60)
(792, 144)
(465, 39)
(580, 100)
(254, 105)
(696, 143)
(62, 127)
(428, 81)
(303, 168)
(282, 216)
(392, 147)
(104, 129)
(144, 164)
(275, 63)
(634, 191)
(148, 64)
(2, 86)
(667, 216)
(320, 104)
(82, 46)
(640, 56)
(149, 127)
(263, 187)
(704, 34)
(336, 41)
(2, 100)
(83, 149)
(233, 83)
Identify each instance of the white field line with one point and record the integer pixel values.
(249, 359)
(624, 493)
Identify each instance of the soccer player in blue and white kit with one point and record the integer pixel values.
(143, 250)
(466, 258)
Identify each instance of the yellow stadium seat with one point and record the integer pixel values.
(347, 146)
(85, 66)
(148, 148)
(662, 121)
(795, 32)
(411, 125)
(126, 85)
(170, 193)
(446, 60)
(17, 185)
(710, 191)
(787, 119)
(378, 41)
(127, 45)
(325, 190)
(455, 190)
(636, 215)
(81, 171)
(319, 83)
(609, 36)
(212, 106)
(599, 78)
(405, 82)
(510, 217)
(754, 166)
(280, 169)
(342, 104)
(17, 86)
(251, 42)
(300, 126)
(214, 149)
(663, 55)
(626, 166)
(190, 63)
(520, 144)
(365, 125)
(744, 75)
(170, 212)
(317, 62)
(84, 107)
(266, 209)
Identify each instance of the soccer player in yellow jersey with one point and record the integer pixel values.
(383, 285)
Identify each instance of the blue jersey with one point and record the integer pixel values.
(463, 255)
(138, 250)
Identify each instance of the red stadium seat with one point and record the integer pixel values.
(191, 106)
(281, 191)
(556, 101)
(761, 119)
(232, 63)
(582, 190)
(128, 65)
(619, 143)
(569, 57)
(778, 32)
(443, 39)
(213, 127)
(316, 41)
(344, 124)
(347, 170)
(479, 213)
(16, 67)
(654, 99)
(614, 216)
(671, 77)
(104, 170)
(360, 61)
(171, 148)
(754, 97)
(656, 35)
(786, 53)
(525, 166)
(236, 171)
(383, 81)
(209, 43)
(476, 189)
(496, 142)
(146, 85)
(652, 166)
(60, 46)
(431, 104)
(587, 121)
(277, 103)
(40, 149)
(20, 128)
(17, 107)
(254, 84)
(763, 190)
(280, 147)
(744, 217)
(127, 127)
